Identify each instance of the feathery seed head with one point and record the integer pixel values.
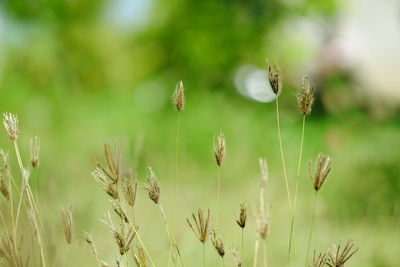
(305, 96)
(152, 188)
(319, 261)
(129, 187)
(66, 216)
(35, 148)
(322, 169)
(202, 225)
(140, 257)
(338, 258)
(109, 187)
(219, 147)
(119, 211)
(4, 189)
(274, 77)
(178, 98)
(113, 159)
(217, 243)
(89, 240)
(10, 122)
(241, 221)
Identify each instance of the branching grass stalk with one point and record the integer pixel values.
(218, 193)
(137, 235)
(292, 230)
(312, 227)
(32, 203)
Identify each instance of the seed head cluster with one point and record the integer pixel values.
(178, 98)
(202, 225)
(305, 96)
(66, 216)
(241, 221)
(274, 77)
(10, 122)
(322, 169)
(219, 147)
(217, 243)
(152, 187)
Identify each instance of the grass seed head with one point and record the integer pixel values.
(274, 77)
(113, 159)
(264, 171)
(241, 221)
(178, 98)
(305, 96)
(35, 148)
(66, 216)
(322, 169)
(108, 186)
(319, 261)
(152, 187)
(219, 147)
(10, 122)
(4, 187)
(217, 243)
(129, 187)
(89, 240)
(338, 258)
(202, 225)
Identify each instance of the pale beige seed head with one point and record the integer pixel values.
(236, 258)
(178, 98)
(241, 221)
(89, 240)
(108, 186)
(113, 158)
(219, 147)
(217, 243)
(320, 260)
(4, 186)
(35, 148)
(6, 164)
(305, 96)
(10, 122)
(119, 211)
(338, 258)
(274, 77)
(129, 187)
(322, 169)
(66, 216)
(264, 171)
(202, 225)
(152, 187)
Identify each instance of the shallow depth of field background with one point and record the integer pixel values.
(81, 73)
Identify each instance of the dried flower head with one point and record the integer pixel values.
(152, 188)
(10, 122)
(219, 147)
(263, 223)
(109, 187)
(6, 164)
(119, 211)
(35, 148)
(129, 187)
(140, 257)
(89, 240)
(236, 258)
(178, 98)
(338, 258)
(319, 261)
(305, 96)
(241, 221)
(113, 159)
(66, 216)
(202, 224)
(217, 243)
(4, 186)
(274, 77)
(322, 169)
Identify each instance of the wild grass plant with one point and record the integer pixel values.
(121, 187)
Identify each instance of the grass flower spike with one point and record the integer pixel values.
(322, 169)
(305, 96)
(178, 98)
(274, 77)
(10, 122)
(338, 258)
(152, 187)
(66, 216)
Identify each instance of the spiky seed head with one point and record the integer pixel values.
(10, 122)
(119, 211)
(274, 77)
(66, 216)
(241, 221)
(338, 258)
(322, 169)
(89, 240)
(140, 257)
(109, 187)
(319, 261)
(113, 159)
(4, 188)
(129, 187)
(305, 96)
(219, 147)
(202, 224)
(35, 148)
(217, 243)
(152, 187)
(236, 258)
(178, 98)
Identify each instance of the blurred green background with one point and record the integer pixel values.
(81, 73)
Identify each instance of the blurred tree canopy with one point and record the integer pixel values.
(67, 45)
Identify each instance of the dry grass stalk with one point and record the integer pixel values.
(34, 149)
(241, 221)
(90, 242)
(305, 96)
(109, 187)
(119, 211)
(338, 258)
(66, 216)
(322, 169)
(219, 147)
(140, 257)
(217, 243)
(12, 253)
(113, 159)
(202, 224)
(274, 77)
(178, 97)
(129, 187)
(10, 122)
(319, 261)
(152, 188)
(236, 258)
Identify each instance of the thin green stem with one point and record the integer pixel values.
(223, 262)
(282, 157)
(218, 193)
(242, 243)
(204, 255)
(265, 253)
(36, 186)
(292, 230)
(312, 227)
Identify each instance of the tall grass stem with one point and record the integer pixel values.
(312, 228)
